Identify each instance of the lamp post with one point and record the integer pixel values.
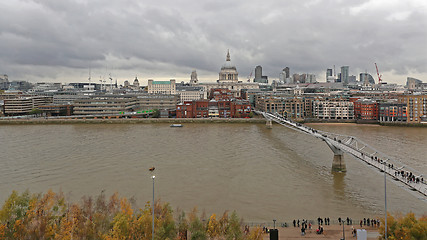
(385, 200)
(343, 233)
(152, 232)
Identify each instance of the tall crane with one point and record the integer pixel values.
(249, 78)
(379, 76)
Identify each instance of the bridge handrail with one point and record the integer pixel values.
(301, 128)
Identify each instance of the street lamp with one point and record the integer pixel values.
(343, 233)
(152, 232)
(385, 200)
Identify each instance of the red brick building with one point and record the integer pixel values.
(212, 108)
(366, 109)
(220, 94)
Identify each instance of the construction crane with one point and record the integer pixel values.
(249, 78)
(379, 76)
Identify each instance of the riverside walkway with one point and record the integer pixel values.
(401, 173)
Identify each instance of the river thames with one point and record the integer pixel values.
(261, 173)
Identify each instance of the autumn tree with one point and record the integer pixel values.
(182, 226)
(13, 210)
(255, 234)
(213, 227)
(234, 230)
(406, 227)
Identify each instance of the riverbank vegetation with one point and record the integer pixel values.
(404, 227)
(50, 216)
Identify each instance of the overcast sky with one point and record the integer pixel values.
(60, 40)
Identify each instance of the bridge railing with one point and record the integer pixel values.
(360, 150)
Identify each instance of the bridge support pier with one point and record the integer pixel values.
(338, 164)
(269, 124)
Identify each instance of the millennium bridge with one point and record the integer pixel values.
(340, 144)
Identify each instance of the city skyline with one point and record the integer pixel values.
(60, 41)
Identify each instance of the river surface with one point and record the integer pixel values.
(261, 173)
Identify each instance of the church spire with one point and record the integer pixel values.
(228, 55)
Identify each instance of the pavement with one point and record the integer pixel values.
(329, 232)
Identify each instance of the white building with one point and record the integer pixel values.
(162, 87)
(333, 109)
(188, 93)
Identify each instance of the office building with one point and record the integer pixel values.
(24, 105)
(344, 75)
(161, 87)
(105, 104)
(259, 78)
(328, 74)
(366, 78)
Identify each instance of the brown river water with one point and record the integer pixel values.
(261, 173)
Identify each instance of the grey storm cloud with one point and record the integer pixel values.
(51, 40)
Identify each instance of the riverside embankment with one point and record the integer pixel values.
(129, 121)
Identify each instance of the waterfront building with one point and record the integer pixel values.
(288, 106)
(156, 101)
(105, 104)
(56, 110)
(366, 109)
(24, 105)
(161, 87)
(416, 106)
(235, 108)
(8, 94)
(333, 109)
(392, 112)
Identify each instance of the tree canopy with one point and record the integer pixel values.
(405, 227)
(50, 216)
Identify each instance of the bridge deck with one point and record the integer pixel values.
(382, 165)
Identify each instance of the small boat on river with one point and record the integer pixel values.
(176, 125)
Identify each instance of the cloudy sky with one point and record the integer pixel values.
(60, 40)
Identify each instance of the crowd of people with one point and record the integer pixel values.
(307, 224)
(370, 222)
(410, 178)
